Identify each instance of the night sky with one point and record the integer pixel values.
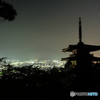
(43, 28)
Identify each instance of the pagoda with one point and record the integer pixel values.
(81, 54)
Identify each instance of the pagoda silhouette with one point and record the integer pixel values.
(81, 56)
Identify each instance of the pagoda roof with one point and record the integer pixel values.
(75, 58)
(83, 46)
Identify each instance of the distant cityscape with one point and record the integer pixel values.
(35, 63)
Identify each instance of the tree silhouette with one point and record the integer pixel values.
(7, 11)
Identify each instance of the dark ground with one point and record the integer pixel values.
(53, 86)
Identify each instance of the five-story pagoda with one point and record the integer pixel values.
(81, 54)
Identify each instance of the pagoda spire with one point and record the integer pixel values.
(80, 30)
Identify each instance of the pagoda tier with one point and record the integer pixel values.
(81, 45)
(77, 58)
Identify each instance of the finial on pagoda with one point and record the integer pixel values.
(80, 30)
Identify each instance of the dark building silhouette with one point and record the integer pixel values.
(81, 56)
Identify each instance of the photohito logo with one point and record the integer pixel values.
(72, 93)
(92, 94)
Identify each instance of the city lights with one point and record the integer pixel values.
(39, 63)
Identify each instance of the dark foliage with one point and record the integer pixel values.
(32, 83)
(7, 12)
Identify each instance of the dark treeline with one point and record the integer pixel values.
(33, 83)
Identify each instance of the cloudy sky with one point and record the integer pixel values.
(43, 28)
